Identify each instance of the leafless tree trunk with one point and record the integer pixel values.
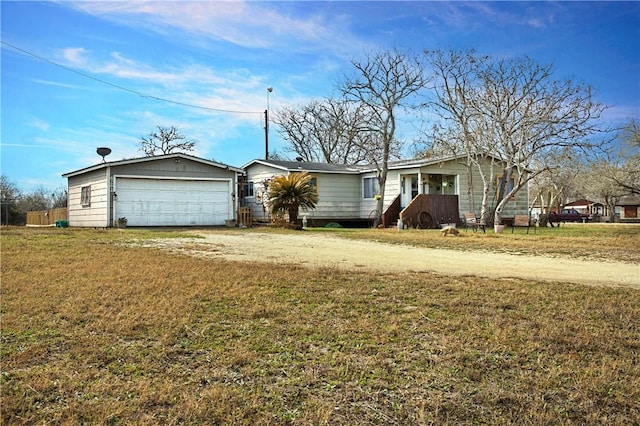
(383, 83)
(460, 130)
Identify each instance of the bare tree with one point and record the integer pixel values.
(10, 195)
(598, 183)
(459, 131)
(59, 198)
(327, 131)
(514, 110)
(623, 164)
(383, 83)
(38, 199)
(611, 177)
(165, 141)
(552, 188)
(534, 116)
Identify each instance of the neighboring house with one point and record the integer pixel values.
(166, 190)
(347, 193)
(628, 208)
(585, 206)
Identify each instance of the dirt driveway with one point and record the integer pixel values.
(317, 250)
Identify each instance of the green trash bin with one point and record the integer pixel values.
(62, 223)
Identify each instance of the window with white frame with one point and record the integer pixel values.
(370, 187)
(85, 195)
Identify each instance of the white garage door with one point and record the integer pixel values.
(167, 202)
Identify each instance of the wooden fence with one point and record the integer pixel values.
(244, 217)
(46, 217)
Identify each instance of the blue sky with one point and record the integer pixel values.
(222, 56)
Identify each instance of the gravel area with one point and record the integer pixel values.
(317, 250)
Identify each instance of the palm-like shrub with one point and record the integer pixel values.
(289, 193)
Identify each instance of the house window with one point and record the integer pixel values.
(370, 187)
(501, 183)
(314, 182)
(442, 184)
(85, 195)
(247, 190)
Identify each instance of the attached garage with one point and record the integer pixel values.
(173, 202)
(167, 190)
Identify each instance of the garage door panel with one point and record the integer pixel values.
(160, 202)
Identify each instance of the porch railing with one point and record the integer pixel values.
(429, 211)
(392, 213)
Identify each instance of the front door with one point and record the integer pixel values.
(409, 189)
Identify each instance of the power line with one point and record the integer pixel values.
(156, 98)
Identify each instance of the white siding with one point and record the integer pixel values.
(341, 194)
(338, 197)
(518, 205)
(102, 211)
(95, 214)
(258, 174)
(367, 205)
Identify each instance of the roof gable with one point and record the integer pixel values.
(303, 166)
(300, 166)
(582, 202)
(149, 159)
(629, 200)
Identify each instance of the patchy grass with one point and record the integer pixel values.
(96, 332)
(591, 241)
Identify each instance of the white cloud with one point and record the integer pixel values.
(39, 124)
(117, 65)
(57, 84)
(464, 15)
(74, 55)
(120, 66)
(247, 24)
(191, 83)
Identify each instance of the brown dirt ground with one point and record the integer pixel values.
(317, 250)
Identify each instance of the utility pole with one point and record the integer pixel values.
(266, 126)
(266, 134)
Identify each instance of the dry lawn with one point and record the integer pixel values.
(97, 331)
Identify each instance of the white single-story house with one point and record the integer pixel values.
(166, 190)
(348, 193)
